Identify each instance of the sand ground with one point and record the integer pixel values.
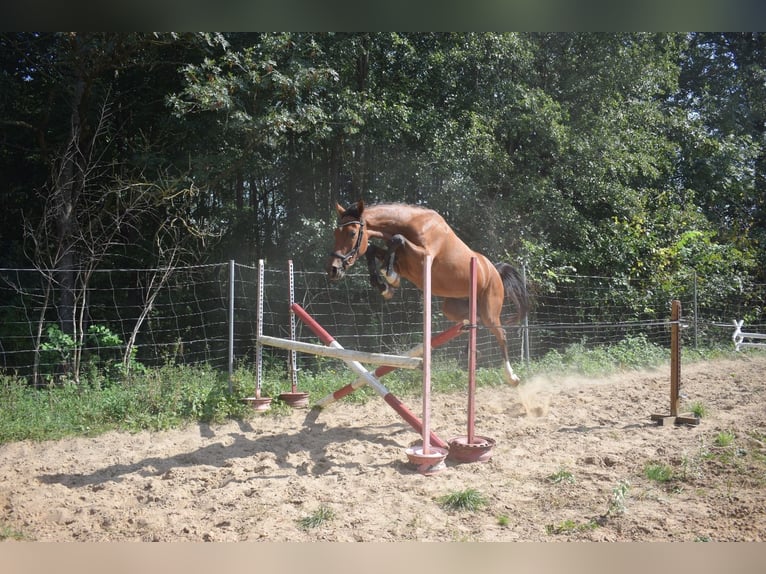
(565, 446)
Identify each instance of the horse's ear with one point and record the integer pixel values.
(340, 209)
(360, 207)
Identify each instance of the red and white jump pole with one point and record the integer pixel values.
(367, 376)
(417, 351)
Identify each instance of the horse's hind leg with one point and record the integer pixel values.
(458, 310)
(489, 311)
(511, 377)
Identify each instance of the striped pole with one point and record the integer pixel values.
(367, 376)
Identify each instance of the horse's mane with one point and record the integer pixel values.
(353, 211)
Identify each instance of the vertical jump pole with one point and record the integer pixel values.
(293, 361)
(427, 355)
(257, 402)
(294, 397)
(471, 447)
(258, 333)
(472, 355)
(428, 459)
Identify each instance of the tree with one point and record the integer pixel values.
(85, 145)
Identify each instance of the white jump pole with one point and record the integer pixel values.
(341, 353)
(427, 355)
(429, 459)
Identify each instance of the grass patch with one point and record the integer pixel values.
(698, 409)
(155, 400)
(561, 476)
(617, 502)
(319, 517)
(469, 500)
(10, 533)
(659, 472)
(571, 527)
(724, 438)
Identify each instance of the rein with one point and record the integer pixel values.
(354, 250)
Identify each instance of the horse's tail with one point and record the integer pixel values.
(515, 289)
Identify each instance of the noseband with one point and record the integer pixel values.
(354, 250)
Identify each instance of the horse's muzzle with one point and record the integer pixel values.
(335, 271)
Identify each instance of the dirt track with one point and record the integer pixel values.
(255, 480)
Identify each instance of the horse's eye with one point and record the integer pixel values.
(351, 233)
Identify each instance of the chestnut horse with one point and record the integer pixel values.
(411, 233)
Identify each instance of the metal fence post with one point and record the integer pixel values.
(231, 326)
(696, 314)
(525, 322)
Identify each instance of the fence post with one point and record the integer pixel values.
(525, 321)
(696, 313)
(675, 372)
(231, 326)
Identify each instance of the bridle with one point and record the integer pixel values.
(344, 259)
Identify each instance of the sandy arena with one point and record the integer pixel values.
(563, 446)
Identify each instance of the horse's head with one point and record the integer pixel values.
(350, 240)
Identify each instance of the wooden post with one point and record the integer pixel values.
(675, 373)
(675, 357)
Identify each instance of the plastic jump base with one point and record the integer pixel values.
(479, 450)
(258, 403)
(296, 400)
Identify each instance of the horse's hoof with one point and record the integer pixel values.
(387, 293)
(394, 280)
(513, 378)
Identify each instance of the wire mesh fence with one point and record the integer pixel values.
(194, 315)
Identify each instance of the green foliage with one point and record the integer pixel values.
(659, 472)
(617, 501)
(630, 353)
(724, 438)
(155, 400)
(468, 500)
(102, 349)
(10, 533)
(698, 409)
(570, 526)
(561, 476)
(319, 517)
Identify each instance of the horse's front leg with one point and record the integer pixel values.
(374, 255)
(388, 270)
